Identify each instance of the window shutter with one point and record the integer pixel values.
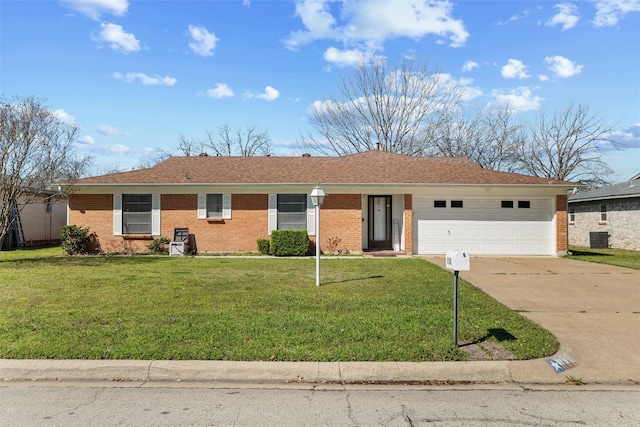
(226, 206)
(273, 212)
(155, 214)
(311, 217)
(202, 206)
(117, 214)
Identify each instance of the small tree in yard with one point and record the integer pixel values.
(35, 151)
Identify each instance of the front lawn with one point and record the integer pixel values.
(253, 308)
(618, 257)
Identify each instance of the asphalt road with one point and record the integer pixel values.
(198, 404)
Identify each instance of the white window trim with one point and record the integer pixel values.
(117, 214)
(226, 206)
(273, 214)
(155, 214)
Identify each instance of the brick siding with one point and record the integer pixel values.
(408, 223)
(562, 242)
(341, 217)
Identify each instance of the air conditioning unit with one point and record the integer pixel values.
(177, 248)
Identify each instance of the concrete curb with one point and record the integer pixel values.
(257, 372)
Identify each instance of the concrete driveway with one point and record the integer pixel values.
(593, 310)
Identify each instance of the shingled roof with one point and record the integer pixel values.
(371, 167)
(622, 190)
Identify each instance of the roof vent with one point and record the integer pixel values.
(306, 155)
(203, 155)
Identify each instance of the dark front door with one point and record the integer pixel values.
(380, 222)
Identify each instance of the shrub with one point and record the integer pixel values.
(289, 242)
(158, 245)
(332, 244)
(264, 246)
(75, 239)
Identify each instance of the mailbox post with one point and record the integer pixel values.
(456, 261)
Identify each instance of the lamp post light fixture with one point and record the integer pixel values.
(317, 198)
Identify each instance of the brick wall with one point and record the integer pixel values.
(341, 217)
(249, 222)
(96, 212)
(623, 223)
(562, 239)
(408, 223)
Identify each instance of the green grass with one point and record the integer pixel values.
(618, 257)
(165, 308)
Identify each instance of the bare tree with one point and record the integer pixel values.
(225, 141)
(249, 141)
(397, 109)
(189, 146)
(487, 137)
(35, 150)
(567, 145)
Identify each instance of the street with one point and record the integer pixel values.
(203, 404)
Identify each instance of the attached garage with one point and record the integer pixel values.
(484, 226)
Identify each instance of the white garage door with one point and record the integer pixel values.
(484, 227)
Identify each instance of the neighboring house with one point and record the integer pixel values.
(606, 217)
(375, 201)
(40, 221)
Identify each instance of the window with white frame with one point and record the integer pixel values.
(572, 214)
(136, 214)
(603, 213)
(214, 206)
(292, 211)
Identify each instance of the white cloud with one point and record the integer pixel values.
(117, 148)
(95, 8)
(344, 58)
(202, 41)
(627, 138)
(514, 69)
(65, 117)
(562, 67)
(318, 21)
(469, 66)
(567, 16)
(87, 140)
(609, 12)
(367, 24)
(269, 94)
(468, 92)
(109, 130)
(146, 80)
(220, 91)
(517, 100)
(118, 39)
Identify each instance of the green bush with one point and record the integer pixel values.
(264, 246)
(289, 242)
(158, 245)
(75, 239)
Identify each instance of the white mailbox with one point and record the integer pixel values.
(457, 261)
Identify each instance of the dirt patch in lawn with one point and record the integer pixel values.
(487, 350)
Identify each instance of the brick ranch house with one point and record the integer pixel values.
(375, 201)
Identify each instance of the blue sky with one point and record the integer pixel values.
(134, 75)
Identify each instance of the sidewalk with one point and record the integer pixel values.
(593, 309)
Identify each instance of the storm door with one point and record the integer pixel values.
(380, 222)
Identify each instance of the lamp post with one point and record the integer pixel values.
(317, 198)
